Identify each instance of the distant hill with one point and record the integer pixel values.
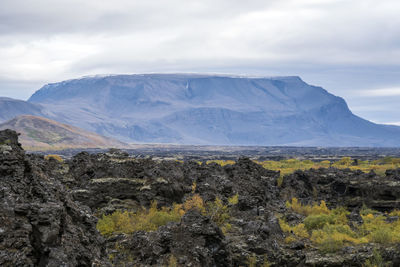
(10, 108)
(210, 110)
(41, 133)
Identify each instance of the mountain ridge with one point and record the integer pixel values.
(204, 109)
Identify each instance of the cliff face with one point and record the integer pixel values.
(207, 109)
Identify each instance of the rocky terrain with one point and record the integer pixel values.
(49, 210)
(40, 223)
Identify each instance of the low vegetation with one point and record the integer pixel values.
(252, 261)
(375, 261)
(330, 230)
(221, 162)
(152, 218)
(53, 156)
(289, 166)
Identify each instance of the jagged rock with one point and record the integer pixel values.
(39, 223)
(347, 188)
(195, 241)
(106, 177)
(352, 256)
(393, 173)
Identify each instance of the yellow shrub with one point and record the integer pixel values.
(377, 230)
(252, 260)
(53, 156)
(315, 209)
(116, 222)
(221, 162)
(300, 231)
(297, 231)
(330, 231)
(290, 165)
(345, 161)
(151, 219)
(195, 202)
(194, 186)
(146, 220)
(395, 213)
(233, 200)
(279, 181)
(290, 239)
(172, 262)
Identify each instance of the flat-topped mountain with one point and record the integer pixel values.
(38, 132)
(210, 109)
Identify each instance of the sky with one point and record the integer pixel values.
(350, 48)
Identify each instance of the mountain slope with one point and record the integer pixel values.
(210, 109)
(41, 133)
(10, 108)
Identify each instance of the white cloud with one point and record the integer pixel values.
(47, 41)
(383, 92)
(186, 34)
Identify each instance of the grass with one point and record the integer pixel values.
(375, 261)
(289, 166)
(221, 162)
(53, 156)
(152, 218)
(330, 230)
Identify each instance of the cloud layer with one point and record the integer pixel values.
(322, 40)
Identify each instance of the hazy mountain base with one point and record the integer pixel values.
(204, 153)
(108, 182)
(38, 133)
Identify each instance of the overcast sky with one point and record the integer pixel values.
(351, 48)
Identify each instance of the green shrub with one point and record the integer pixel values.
(266, 262)
(279, 181)
(333, 237)
(220, 214)
(314, 222)
(252, 260)
(382, 235)
(375, 261)
(331, 244)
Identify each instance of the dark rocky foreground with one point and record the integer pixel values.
(48, 210)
